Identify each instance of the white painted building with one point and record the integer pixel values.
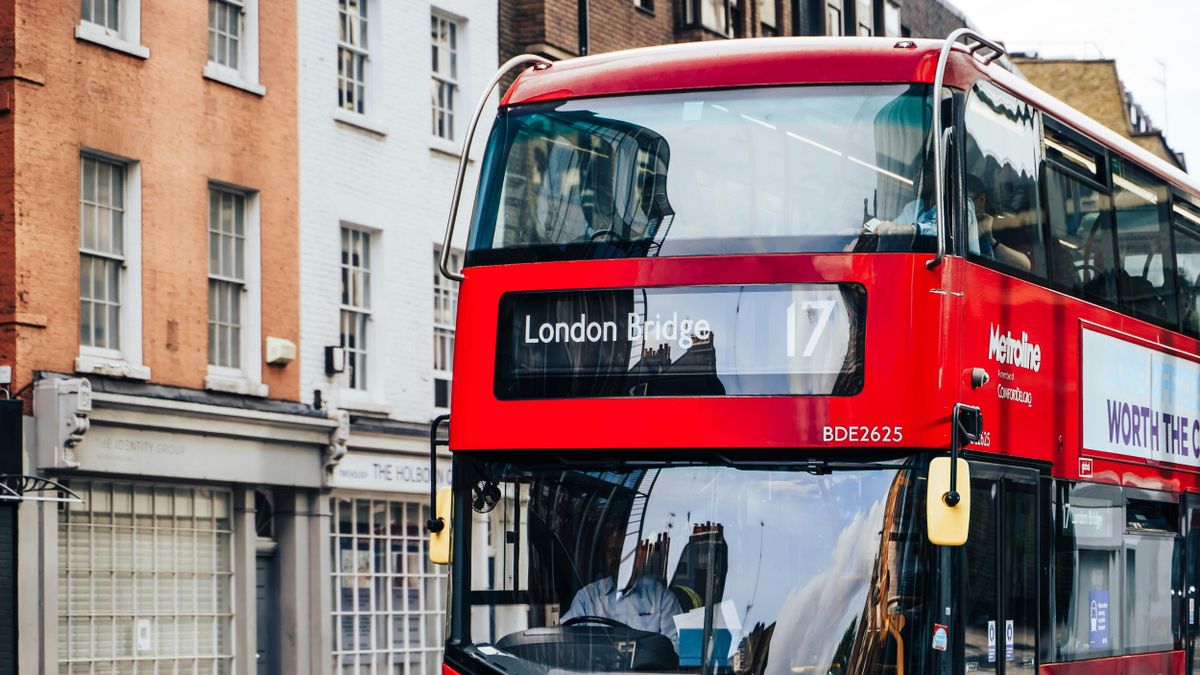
(378, 155)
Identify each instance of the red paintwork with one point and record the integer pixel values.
(447, 670)
(1139, 664)
(916, 368)
(893, 377)
(802, 60)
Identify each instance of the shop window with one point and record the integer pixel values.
(1145, 273)
(1002, 163)
(145, 579)
(389, 601)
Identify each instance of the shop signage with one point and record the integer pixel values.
(1140, 402)
(150, 452)
(381, 472)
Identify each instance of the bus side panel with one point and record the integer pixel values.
(1161, 663)
(1028, 339)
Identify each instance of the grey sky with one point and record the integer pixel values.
(1143, 37)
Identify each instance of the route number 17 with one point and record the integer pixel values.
(823, 312)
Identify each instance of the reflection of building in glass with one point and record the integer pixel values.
(694, 373)
(705, 560)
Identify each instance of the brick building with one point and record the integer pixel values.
(149, 286)
(560, 29)
(1094, 86)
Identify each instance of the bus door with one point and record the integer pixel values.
(1191, 532)
(998, 575)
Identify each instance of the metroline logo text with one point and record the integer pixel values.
(1004, 348)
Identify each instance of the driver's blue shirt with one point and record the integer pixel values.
(647, 606)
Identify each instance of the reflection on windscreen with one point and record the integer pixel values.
(671, 569)
(825, 168)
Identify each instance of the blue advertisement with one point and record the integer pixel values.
(1098, 619)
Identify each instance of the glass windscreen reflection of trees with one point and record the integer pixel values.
(782, 169)
(790, 572)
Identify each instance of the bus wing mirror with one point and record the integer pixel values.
(947, 525)
(439, 541)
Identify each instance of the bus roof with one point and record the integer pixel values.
(803, 60)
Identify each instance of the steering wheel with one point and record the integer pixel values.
(602, 620)
(607, 232)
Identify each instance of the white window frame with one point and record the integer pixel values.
(452, 145)
(126, 361)
(370, 118)
(125, 38)
(245, 76)
(835, 28)
(247, 379)
(351, 397)
(447, 289)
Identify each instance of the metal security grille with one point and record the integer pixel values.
(225, 31)
(356, 304)
(145, 580)
(101, 251)
(444, 34)
(352, 54)
(389, 601)
(445, 307)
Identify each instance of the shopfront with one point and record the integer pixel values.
(191, 550)
(388, 601)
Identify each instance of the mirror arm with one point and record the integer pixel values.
(435, 523)
(959, 436)
(952, 498)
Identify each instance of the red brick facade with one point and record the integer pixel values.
(61, 95)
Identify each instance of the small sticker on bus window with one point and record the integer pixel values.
(940, 637)
(693, 110)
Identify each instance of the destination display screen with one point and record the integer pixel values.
(755, 340)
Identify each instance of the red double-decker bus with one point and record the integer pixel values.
(727, 311)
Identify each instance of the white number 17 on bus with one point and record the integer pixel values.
(823, 312)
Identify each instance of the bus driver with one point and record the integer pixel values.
(645, 604)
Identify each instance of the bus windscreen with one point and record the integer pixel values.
(764, 170)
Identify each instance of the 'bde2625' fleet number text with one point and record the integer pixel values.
(862, 434)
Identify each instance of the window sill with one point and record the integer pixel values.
(359, 405)
(93, 33)
(231, 77)
(644, 10)
(446, 147)
(231, 383)
(92, 364)
(358, 121)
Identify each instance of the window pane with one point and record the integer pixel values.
(1081, 248)
(1003, 154)
(1187, 260)
(1145, 273)
(766, 12)
(1087, 582)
